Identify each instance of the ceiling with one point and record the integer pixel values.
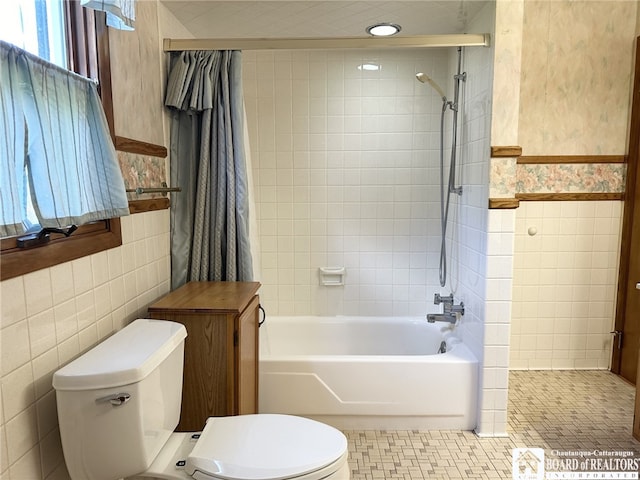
(323, 19)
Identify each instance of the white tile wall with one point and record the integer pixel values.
(483, 248)
(345, 167)
(51, 316)
(492, 419)
(565, 278)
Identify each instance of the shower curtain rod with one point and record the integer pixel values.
(416, 41)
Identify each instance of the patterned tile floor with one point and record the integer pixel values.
(552, 410)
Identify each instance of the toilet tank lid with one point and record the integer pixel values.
(126, 357)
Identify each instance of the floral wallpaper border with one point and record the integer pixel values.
(142, 171)
(502, 183)
(508, 178)
(574, 178)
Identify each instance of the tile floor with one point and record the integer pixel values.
(552, 410)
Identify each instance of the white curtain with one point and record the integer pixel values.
(12, 158)
(121, 14)
(73, 172)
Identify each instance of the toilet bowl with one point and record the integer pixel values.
(119, 402)
(254, 447)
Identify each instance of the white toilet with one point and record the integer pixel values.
(119, 403)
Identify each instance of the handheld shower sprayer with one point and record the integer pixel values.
(424, 78)
(447, 184)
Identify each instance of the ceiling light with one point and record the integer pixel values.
(383, 29)
(369, 67)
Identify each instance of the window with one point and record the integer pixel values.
(67, 34)
(37, 27)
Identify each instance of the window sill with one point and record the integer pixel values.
(87, 240)
(141, 206)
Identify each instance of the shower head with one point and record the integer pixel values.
(424, 78)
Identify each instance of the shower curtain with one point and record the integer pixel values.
(210, 218)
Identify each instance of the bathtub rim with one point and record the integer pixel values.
(457, 350)
(459, 353)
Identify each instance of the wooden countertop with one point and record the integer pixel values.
(208, 297)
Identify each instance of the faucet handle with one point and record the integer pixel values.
(438, 299)
(458, 308)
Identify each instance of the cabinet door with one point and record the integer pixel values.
(208, 381)
(247, 359)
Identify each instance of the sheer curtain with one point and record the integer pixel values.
(210, 219)
(121, 14)
(54, 131)
(12, 155)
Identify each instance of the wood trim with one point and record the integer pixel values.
(513, 203)
(506, 151)
(9, 244)
(86, 241)
(149, 205)
(636, 415)
(76, 38)
(632, 180)
(104, 69)
(503, 203)
(93, 63)
(130, 145)
(577, 196)
(555, 159)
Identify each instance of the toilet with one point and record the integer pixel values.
(119, 403)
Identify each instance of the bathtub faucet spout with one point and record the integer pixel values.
(450, 311)
(450, 317)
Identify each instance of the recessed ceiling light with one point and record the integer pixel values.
(369, 67)
(383, 29)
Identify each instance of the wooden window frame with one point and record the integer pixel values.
(88, 47)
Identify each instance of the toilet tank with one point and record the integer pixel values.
(119, 402)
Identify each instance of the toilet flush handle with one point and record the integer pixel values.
(115, 400)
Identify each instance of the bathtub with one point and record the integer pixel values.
(368, 373)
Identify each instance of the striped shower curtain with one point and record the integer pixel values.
(210, 219)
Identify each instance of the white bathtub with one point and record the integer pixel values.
(367, 373)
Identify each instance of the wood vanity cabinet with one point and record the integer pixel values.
(221, 348)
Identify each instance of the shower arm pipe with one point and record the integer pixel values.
(410, 41)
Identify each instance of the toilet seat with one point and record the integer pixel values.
(266, 447)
